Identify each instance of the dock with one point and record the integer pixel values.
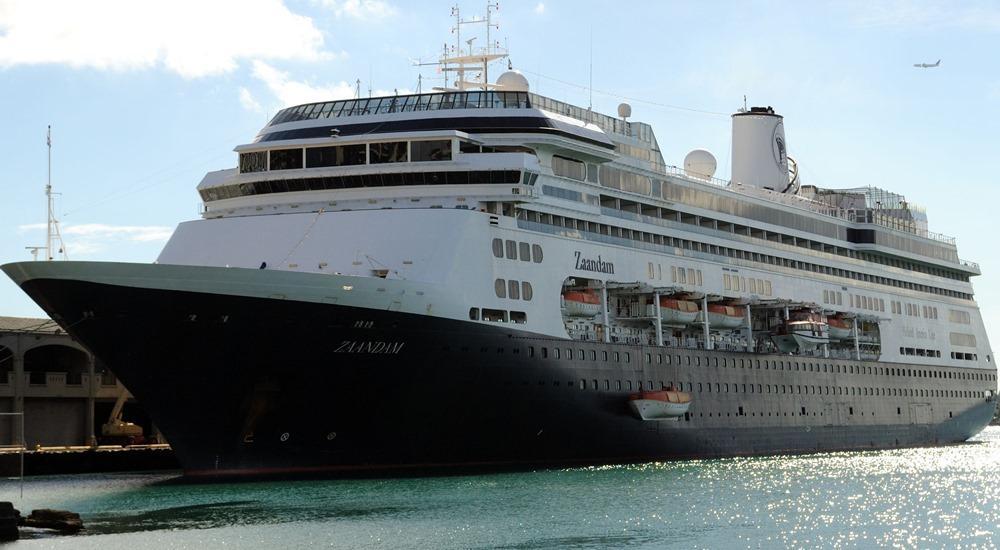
(83, 460)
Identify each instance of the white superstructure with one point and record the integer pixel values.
(487, 206)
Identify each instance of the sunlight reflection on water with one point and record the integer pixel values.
(915, 498)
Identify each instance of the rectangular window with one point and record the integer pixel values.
(255, 161)
(436, 150)
(511, 250)
(389, 151)
(286, 159)
(342, 155)
(494, 315)
(727, 282)
(525, 250)
(568, 168)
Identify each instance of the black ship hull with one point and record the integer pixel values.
(251, 386)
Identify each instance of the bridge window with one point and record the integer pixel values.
(255, 161)
(388, 151)
(421, 151)
(341, 155)
(286, 159)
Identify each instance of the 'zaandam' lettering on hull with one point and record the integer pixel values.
(369, 346)
(598, 265)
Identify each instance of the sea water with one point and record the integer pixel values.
(912, 498)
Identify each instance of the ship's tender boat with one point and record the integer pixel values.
(659, 404)
(803, 331)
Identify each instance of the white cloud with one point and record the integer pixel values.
(190, 37)
(360, 9)
(90, 238)
(928, 14)
(295, 92)
(540, 8)
(247, 100)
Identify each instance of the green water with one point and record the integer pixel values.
(908, 498)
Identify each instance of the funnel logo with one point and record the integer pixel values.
(780, 155)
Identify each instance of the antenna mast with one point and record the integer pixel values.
(52, 233)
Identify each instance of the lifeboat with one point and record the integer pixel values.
(677, 312)
(803, 331)
(581, 303)
(659, 405)
(840, 328)
(720, 316)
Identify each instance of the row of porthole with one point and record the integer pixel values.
(791, 389)
(513, 290)
(767, 364)
(514, 250)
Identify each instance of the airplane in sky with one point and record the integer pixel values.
(927, 65)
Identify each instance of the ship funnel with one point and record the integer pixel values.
(759, 149)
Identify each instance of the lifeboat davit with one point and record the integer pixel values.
(677, 312)
(720, 316)
(581, 303)
(802, 332)
(660, 404)
(840, 328)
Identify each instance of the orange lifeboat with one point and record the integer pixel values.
(581, 303)
(677, 312)
(659, 404)
(840, 328)
(720, 316)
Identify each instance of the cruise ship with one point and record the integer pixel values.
(481, 276)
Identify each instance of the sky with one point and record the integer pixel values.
(144, 97)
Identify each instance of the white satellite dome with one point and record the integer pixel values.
(513, 81)
(700, 164)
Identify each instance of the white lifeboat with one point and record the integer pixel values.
(803, 331)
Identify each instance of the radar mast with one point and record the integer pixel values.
(52, 233)
(470, 64)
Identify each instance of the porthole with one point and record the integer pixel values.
(500, 286)
(526, 291)
(536, 253)
(514, 290)
(498, 248)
